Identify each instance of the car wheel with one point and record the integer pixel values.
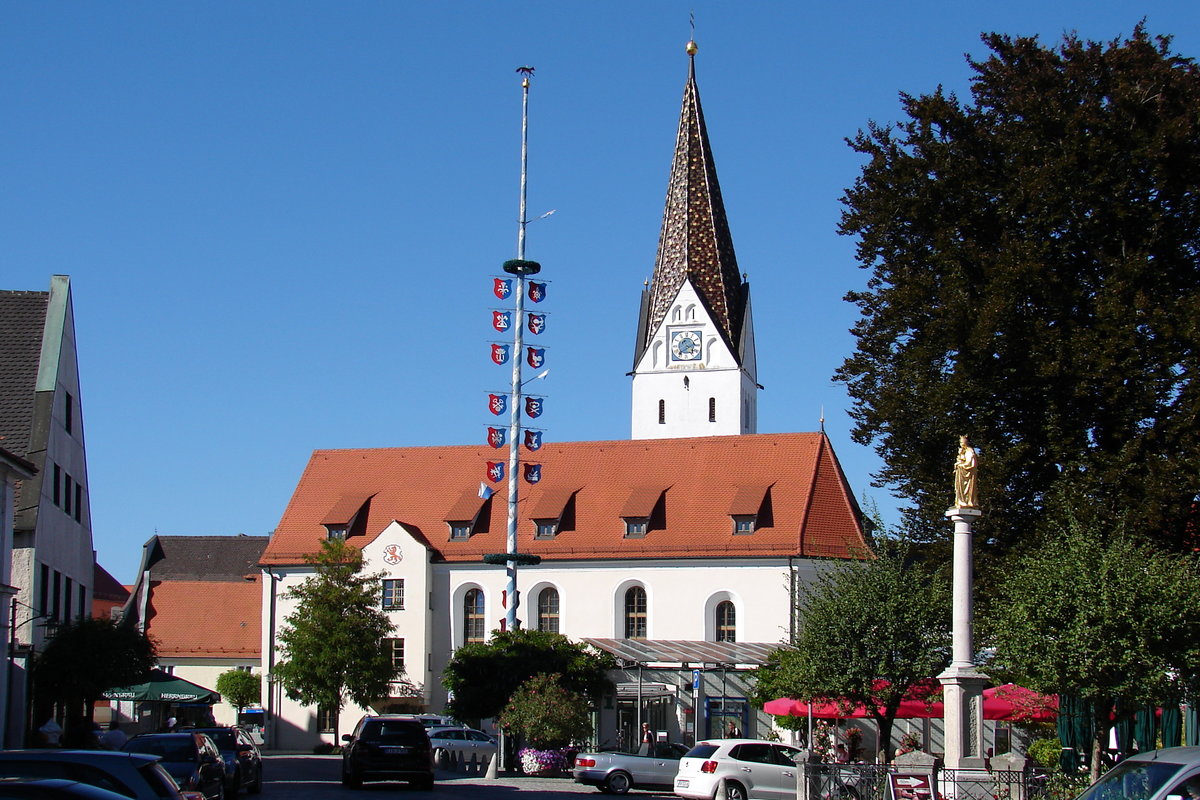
(352, 779)
(441, 758)
(235, 783)
(619, 782)
(256, 787)
(425, 784)
(734, 791)
(220, 791)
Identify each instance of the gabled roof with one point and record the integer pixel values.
(106, 587)
(206, 619)
(22, 323)
(695, 242)
(813, 511)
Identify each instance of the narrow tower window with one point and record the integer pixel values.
(473, 612)
(548, 610)
(635, 613)
(662, 412)
(712, 409)
(726, 622)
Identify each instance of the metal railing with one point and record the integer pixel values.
(870, 782)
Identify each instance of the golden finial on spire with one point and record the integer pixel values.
(692, 47)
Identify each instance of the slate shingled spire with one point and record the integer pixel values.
(695, 241)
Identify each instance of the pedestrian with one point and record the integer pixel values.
(647, 739)
(114, 738)
(843, 756)
(733, 731)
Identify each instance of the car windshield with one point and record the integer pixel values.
(393, 733)
(173, 749)
(701, 751)
(1131, 780)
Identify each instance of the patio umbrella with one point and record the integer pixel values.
(163, 688)
(916, 704)
(1172, 725)
(1145, 728)
(1012, 703)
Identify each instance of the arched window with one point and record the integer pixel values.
(662, 412)
(547, 610)
(473, 612)
(712, 409)
(726, 622)
(635, 613)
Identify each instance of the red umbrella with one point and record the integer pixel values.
(916, 704)
(1017, 704)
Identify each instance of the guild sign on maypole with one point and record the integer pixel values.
(516, 321)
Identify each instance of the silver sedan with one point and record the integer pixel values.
(617, 773)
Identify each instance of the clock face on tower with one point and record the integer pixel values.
(685, 346)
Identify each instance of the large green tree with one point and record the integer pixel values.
(83, 659)
(332, 644)
(1034, 283)
(1110, 619)
(869, 632)
(482, 677)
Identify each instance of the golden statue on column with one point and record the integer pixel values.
(965, 465)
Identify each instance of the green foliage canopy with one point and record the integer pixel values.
(546, 714)
(332, 644)
(869, 631)
(1034, 284)
(484, 676)
(239, 688)
(1109, 619)
(88, 656)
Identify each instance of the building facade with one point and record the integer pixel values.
(41, 421)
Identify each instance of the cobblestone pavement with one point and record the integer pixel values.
(309, 777)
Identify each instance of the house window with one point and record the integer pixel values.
(67, 599)
(546, 528)
(743, 523)
(82, 601)
(44, 591)
(325, 718)
(78, 502)
(636, 527)
(56, 601)
(662, 412)
(393, 594)
(635, 613)
(547, 610)
(68, 409)
(473, 611)
(712, 409)
(335, 532)
(395, 650)
(460, 530)
(726, 622)
(57, 485)
(67, 494)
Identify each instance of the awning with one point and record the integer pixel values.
(682, 653)
(163, 688)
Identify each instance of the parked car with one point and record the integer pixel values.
(751, 769)
(243, 761)
(387, 747)
(53, 789)
(464, 743)
(617, 773)
(132, 775)
(1172, 773)
(191, 758)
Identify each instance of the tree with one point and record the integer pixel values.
(1109, 619)
(546, 714)
(332, 644)
(83, 659)
(870, 632)
(483, 677)
(1034, 284)
(239, 688)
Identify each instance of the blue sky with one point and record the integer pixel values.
(280, 219)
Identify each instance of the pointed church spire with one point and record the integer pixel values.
(695, 242)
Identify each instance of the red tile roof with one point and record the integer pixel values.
(206, 619)
(808, 510)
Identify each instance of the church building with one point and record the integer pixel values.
(680, 551)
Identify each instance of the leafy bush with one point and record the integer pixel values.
(1045, 752)
(546, 714)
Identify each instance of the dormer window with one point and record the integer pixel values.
(461, 530)
(545, 528)
(553, 511)
(744, 523)
(335, 532)
(636, 527)
(750, 509)
(469, 516)
(347, 517)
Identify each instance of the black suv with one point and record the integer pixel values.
(388, 747)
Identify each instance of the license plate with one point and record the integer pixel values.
(394, 751)
(682, 783)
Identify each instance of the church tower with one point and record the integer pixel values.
(694, 370)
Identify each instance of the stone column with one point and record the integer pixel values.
(962, 684)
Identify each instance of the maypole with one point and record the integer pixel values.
(535, 357)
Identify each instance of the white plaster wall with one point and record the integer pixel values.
(716, 374)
